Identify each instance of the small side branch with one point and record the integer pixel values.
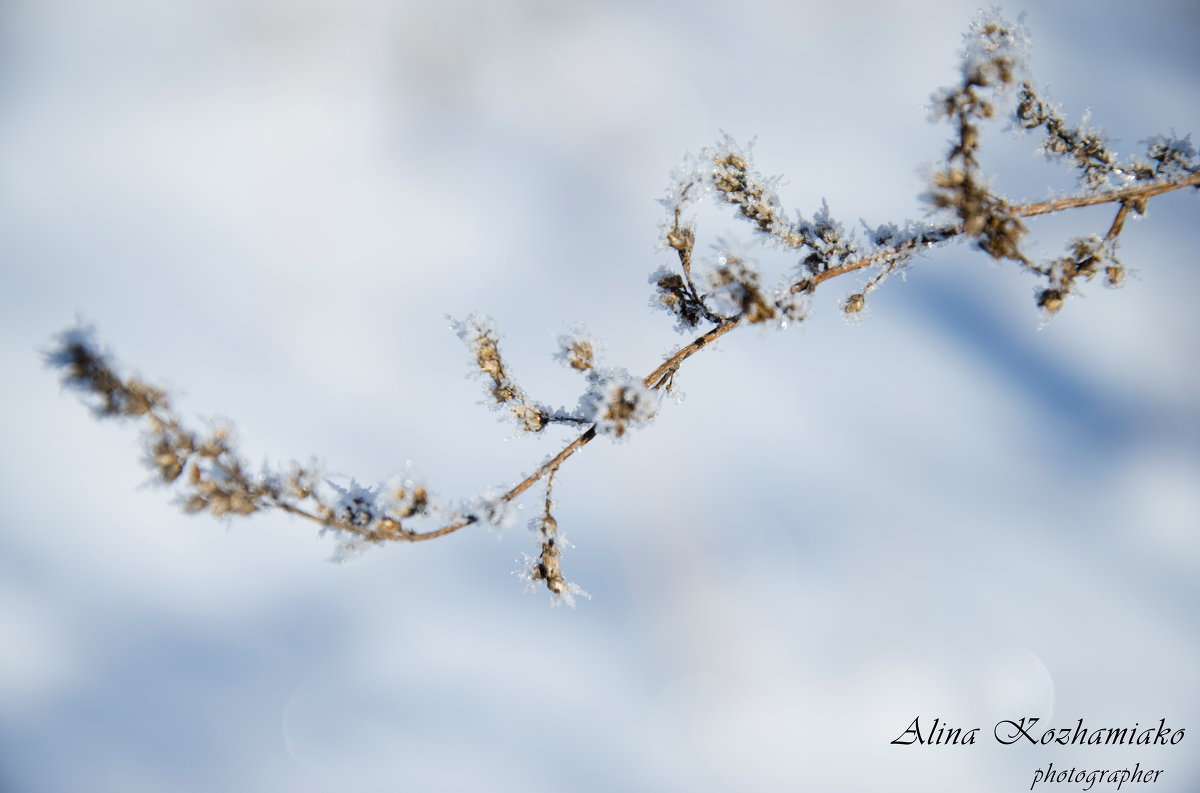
(1134, 194)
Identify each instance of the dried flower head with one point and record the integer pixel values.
(479, 334)
(577, 350)
(855, 303)
(733, 286)
(1051, 300)
(996, 51)
(617, 402)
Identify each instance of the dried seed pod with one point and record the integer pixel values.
(1050, 300)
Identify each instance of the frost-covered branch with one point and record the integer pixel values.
(708, 297)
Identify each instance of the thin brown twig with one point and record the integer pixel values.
(657, 378)
(1126, 195)
(1135, 193)
(1118, 222)
(926, 240)
(653, 380)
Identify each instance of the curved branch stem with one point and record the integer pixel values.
(655, 380)
(663, 372)
(93, 373)
(1130, 194)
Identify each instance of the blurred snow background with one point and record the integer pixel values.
(271, 206)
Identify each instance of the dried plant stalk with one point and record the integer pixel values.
(723, 294)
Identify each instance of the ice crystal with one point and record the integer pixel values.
(355, 504)
(617, 402)
(493, 508)
(733, 286)
(1173, 156)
